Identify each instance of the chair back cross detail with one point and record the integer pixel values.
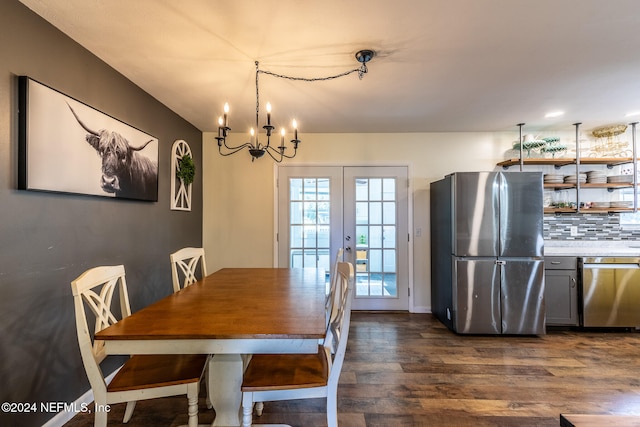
(100, 302)
(184, 267)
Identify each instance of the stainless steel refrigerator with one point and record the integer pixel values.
(487, 268)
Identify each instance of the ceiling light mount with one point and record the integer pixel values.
(255, 147)
(365, 55)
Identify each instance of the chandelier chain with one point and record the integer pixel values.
(362, 70)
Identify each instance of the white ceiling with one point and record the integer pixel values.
(441, 65)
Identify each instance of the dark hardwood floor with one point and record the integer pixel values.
(409, 370)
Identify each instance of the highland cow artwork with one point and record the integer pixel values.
(69, 147)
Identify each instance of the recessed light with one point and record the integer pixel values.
(554, 114)
(632, 114)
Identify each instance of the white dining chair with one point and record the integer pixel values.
(142, 376)
(184, 272)
(272, 377)
(329, 304)
(184, 267)
(333, 278)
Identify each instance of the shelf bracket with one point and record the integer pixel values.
(521, 148)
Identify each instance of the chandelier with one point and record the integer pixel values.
(258, 149)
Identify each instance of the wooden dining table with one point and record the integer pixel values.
(231, 313)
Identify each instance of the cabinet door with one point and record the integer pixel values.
(561, 297)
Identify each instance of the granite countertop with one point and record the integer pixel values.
(582, 248)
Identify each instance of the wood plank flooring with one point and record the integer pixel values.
(409, 370)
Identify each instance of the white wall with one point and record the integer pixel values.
(238, 217)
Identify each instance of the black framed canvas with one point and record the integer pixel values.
(67, 146)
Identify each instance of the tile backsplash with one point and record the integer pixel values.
(587, 227)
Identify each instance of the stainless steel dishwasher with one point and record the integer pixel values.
(611, 292)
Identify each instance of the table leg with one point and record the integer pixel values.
(225, 379)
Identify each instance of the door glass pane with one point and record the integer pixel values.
(375, 189)
(375, 213)
(389, 265)
(295, 189)
(310, 191)
(310, 258)
(310, 213)
(362, 233)
(376, 238)
(310, 223)
(295, 212)
(362, 212)
(362, 189)
(323, 237)
(389, 213)
(296, 259)
(389, 236)
(324, 212)
(375, 260)
(310, 236)
(389, 189)
(296, 236)
(324, 260)
(323, 188)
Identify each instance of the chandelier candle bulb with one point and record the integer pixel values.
(268, 113)
(282, 132)
(226, 111)
(295, 129)
(220, 123)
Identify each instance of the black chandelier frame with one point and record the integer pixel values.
(255, 147)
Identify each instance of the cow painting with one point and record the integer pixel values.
(125, 172)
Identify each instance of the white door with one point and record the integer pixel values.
(309, 216)
(361, 209)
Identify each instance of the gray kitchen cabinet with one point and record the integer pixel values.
(561, 291)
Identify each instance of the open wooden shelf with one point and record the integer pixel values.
(538, 162)
(578, 168)
(559, 210)
(607, 185)
(583, 210)
(609, 161)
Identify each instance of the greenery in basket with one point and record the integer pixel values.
(186, 169)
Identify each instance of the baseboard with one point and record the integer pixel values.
(421, 309)
(61, 418)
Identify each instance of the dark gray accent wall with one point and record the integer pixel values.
(47, 240)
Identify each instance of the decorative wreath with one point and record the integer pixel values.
(186, 169)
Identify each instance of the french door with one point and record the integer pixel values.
(363, 210)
